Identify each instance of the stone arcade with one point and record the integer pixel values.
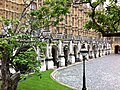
(68, 51)
(60, 53)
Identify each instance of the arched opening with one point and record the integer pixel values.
(89, 52)
(66, 51)
(116, 49)
(55, 54)
(94, 51)
(75, 53)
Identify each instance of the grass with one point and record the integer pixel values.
(0, 85)
(45, 83)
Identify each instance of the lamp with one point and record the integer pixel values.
(84, 52)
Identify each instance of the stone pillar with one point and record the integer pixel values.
(50, 51)
(42, 60)
(90, 51)
(49, 61)
(43, 65)
(79, 46)
(102, 49)
(87, 56)
(60, 54)
(38, 53)
(71, 47)
(78, 51)
(110, 49)
(71, 55)
(47, 51)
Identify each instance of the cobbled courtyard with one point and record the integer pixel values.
(102, 73)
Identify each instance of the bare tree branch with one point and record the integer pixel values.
(24, 12)
(93, 19)
(3, 28)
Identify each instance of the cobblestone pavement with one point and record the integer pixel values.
(101, 74)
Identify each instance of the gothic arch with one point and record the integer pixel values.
(75, 52)
(116, 49)
(66, 54)
(55, 54)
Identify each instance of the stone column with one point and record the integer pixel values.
(49, 61)
(87, 56)
(110, 48)
(60, 54)
(97, 50)
(90, 52)
(71, 55)
(71, 47)
(42, 60)
(60, 47)
(38, 53)
(47, 51)
(107, 50)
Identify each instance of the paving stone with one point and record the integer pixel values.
(101, 74)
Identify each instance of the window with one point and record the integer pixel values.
(33, 6)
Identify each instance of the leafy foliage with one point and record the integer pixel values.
(17, 42)
(27, 58)
(49, 13)
(106, 19)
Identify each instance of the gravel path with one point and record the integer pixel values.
(101, 74)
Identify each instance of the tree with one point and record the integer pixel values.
(106, 19)
(17, 42)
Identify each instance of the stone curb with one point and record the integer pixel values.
(61, 68)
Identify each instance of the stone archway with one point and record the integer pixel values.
(75, 53)
(66, 54)
(116, 49)
(94, 51)
(55, 54)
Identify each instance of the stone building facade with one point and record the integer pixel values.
(116, 44)
(10, 8)
(63, 42)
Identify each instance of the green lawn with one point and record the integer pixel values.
(0, 85)
(45, 83)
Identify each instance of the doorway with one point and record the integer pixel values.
(55, 54)
(116, 49)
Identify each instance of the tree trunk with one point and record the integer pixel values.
(6, 82)
(9, 81)
(15, 79)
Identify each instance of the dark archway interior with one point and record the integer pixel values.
(94, 50)
(116, 49)
(66, 49)
(54, 54)
(75, 52)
